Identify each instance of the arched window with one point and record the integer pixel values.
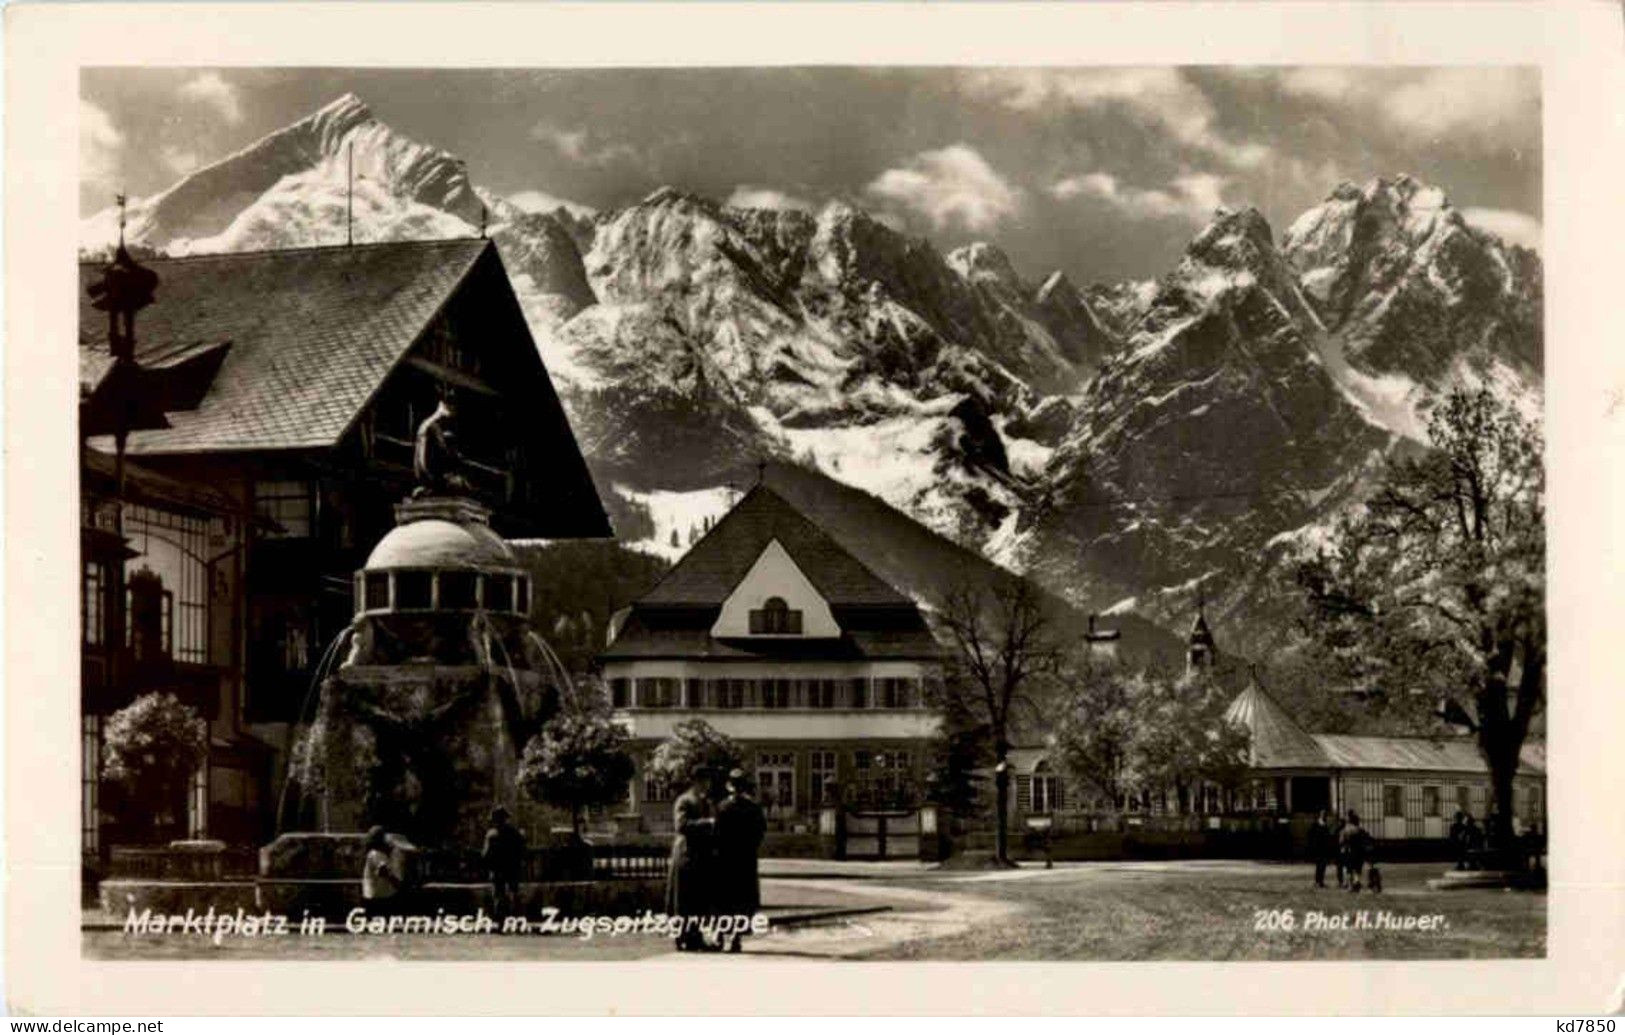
(775, 619)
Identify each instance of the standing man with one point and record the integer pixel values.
(1353, 847)
(689, 881)
(740, 829)
(1458, 839)
(503, 856)
(1321, 848)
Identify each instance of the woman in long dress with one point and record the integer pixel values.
(689, 890)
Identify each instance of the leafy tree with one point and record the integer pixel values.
(1184, 739)
(579, 760)
(1006, 651)
(694, 747)
(1094, 740)
(1433, 594)
(153, 747)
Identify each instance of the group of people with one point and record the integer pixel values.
(718, 827)
(1347, 844)
(713, 860)
(1466, 837)
(386, 887)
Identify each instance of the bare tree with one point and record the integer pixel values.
(1005, 640)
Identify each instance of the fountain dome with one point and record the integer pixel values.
(442, 556)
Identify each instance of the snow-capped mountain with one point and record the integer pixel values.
(1131, 445)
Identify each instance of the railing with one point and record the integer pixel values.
(586, 862)
(182, 864)
(1162, 823)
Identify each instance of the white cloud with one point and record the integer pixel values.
(1192, 197)
(211, 90)
(541, 201)
(1485, 105)
(1511, 226)
(178, 161)
(745, 196)
(1162, 95)
(99, 144)
(953, 184)
(582, 146)
(1497, 105)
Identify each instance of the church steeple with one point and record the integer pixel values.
(1201, 652)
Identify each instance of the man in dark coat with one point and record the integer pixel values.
(1321, 848)
(1354, 846)
(690, 879)
(503, 857)
(740, 829)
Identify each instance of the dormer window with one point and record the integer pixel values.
(775, 619)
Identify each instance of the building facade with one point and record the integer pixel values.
(776, 636)
(291, 385)
(1403, 788)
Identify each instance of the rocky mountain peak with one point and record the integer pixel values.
(1239, 238)
(982, 262)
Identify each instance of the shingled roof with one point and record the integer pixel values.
(1277, 741)
(708, 573)
(311, 333)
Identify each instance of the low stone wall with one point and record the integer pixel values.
(334, 899)
(119, 896)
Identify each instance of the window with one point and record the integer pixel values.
(89, 782)
(730, 693)
(376, 591)
(821, 774)
(288, 507)
(775, 619)
(499, 592)
(820, 693)
(775, 693)
(1046, 793)
(882, 778)
(523, 604)
(1431, 805)
(656, 787)
(776, 781)
(618, 694)
(173, 547)
(658, 692)
(1464, 799)
(894, 693)
(457, 589)
(859, 690)
(1393, 800)
(412, 591)
(93, 605)
(694, 693)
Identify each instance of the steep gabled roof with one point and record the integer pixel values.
(312, 332)
(708, 573)
(1277, 741)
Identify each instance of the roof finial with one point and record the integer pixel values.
(122, 199)
(484, 215)
(761, 471)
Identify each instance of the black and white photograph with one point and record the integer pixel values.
(860, 513)
(884, 511)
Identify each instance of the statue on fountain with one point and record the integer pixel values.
(436, 462)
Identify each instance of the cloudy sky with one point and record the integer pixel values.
(1102, 172)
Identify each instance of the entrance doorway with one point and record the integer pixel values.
(1311, 793)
